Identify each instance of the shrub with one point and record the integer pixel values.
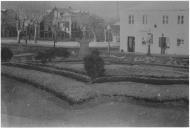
(49, 54)
(59, 52)
(62, 52)
(94, 65)
(44, 56)
(6, 54)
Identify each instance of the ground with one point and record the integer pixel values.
(25, 105)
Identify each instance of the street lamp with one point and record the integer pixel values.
(149, 41)
(83, 32)
(108, 31)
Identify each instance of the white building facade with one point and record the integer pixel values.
(169, 21)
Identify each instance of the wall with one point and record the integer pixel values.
(171, 30)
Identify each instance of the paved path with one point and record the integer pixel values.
(24, 105)
(60, 44)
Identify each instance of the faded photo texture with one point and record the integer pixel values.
(94, 63)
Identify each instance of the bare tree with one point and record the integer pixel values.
(95, 23)
(108, 36)
(22, 25)
(36, 23)
(20, 19)
(55, 29)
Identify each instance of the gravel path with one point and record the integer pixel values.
(23, 105)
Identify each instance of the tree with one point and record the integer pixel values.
(108, 37)
(55, 29)
(96, 25)
(94, 65)
(36, 22)
(20, 19)
(6, 54)
(22, 25)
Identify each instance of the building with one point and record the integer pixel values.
(69, 23)
(8, 23)
(162, 25)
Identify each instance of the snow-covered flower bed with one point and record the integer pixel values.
(74, 90)
(129, 70)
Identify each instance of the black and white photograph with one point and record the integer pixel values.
(95, 63)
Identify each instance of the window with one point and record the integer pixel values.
(143, 41)
(144, 19)
(180, 19)
(165, 19)
(180, 41)
(131, 19)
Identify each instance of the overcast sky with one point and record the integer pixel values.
(102, 8)
(105, 9)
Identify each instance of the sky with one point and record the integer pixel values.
(104, 9)
(101, 8)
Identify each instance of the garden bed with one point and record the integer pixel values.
(159, 60)
(129, 70)
(80, 75)
(76, 92)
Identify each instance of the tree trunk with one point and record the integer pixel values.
(94, 36)
(148, 53)
(108, 48)
(54, 38)
(18, 36)
(35, 34)
(26, 41)
(105, 36)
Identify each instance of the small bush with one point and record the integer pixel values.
(94, 65)
(6, 54)
(49, 54)
(62, 52)
(44, 57)
(59, 52)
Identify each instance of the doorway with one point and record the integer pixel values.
(163, 44)
(131, 44)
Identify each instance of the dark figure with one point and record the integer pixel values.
(162, 44)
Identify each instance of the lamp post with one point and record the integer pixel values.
(84, 43)
(108, 29)
(83, 32)
(149, 41)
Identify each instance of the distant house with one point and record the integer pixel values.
(166, 22)
(8, 23)
(69, 23)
